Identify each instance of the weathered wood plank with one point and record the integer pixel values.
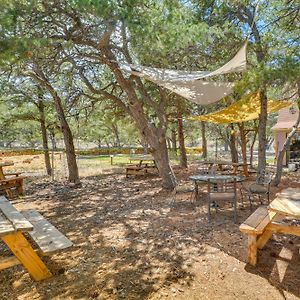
(48, 238)
(7, 262)
(287, 202)
(5, 226)
(284, 228)
(20, 247)
(257, 221)
(18, 221)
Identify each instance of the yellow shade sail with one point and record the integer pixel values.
(246, 109)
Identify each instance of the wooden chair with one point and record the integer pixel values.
(222, 190)
(253, 190)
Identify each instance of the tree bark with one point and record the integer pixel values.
(243, 142)
(262, 137)
(183, 156)
(52, 138)
(161, 156)
(232, 145)
(173, 139)
(204, 141)
(69, 142)
(41, 108)
(252, 147)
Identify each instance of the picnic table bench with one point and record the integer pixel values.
(144, 165)
(13, 225)
(261, 225)
(9, 181)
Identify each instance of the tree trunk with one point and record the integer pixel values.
(69, 143)
(226, 146)
(262, 137)
(44, 136)
(115, 130)
(173, 139)
(52, 138)
(182, 157)
(161, 156)
(243, 142)
(252, 147)
(232, 145)
(204, 141)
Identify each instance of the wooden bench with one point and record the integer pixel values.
(256, 227)
(135, 170)
(16, 182)
(48, 239)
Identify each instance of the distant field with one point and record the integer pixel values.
(33, 165)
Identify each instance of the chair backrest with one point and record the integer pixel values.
(222, 186)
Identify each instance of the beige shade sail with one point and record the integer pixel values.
(188, 84)
(246, 109)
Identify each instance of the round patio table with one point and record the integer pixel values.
(214, 178)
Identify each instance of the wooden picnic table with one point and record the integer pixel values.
(13, 225)
(222, 163)
(4, 164)
(10, 181)
(287, 203)
(265, 221)
(143, 160)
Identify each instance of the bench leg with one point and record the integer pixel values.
(263, 239)
(252, 249)
(21, 248)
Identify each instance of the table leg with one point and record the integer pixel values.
(21, 248)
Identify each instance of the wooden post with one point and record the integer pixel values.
(252, 249)
(20, 247)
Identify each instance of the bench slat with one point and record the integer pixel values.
(18, 221)
(48, 238)
(5, 226)
(257, 222)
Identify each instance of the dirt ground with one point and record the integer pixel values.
(129, 243)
